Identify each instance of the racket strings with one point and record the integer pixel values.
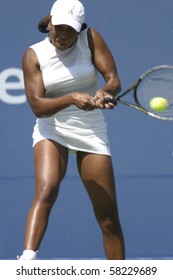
(158, 83)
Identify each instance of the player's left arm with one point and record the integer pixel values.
(105, 64)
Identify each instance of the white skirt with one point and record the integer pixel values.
(76, 130)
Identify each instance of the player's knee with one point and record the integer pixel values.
(110, 224)
(47, 193)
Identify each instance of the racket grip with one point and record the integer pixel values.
(112, 100)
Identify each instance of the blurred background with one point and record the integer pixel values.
(140, 36)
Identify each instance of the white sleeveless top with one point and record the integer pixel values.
(64, 72)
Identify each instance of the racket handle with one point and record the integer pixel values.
(112, 100)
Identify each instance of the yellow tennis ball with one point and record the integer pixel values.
(159, 104)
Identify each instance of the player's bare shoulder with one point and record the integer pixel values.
(29, 58)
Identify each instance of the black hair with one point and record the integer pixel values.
(44, 22)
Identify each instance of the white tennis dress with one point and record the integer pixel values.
(64, 72)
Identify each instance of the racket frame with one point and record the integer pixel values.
(134, 87)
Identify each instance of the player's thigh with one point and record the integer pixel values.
(50, 162)
(97, 175)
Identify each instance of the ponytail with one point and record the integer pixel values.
(43, 24)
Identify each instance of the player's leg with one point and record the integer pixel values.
(50, 168)
(97, 174)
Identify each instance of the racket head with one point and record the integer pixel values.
(156, 82)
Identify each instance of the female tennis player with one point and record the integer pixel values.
(60, 75)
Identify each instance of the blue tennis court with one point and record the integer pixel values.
(140, 35)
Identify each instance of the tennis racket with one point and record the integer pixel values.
(156, 82)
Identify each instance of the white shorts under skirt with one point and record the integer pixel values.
(77, 131)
